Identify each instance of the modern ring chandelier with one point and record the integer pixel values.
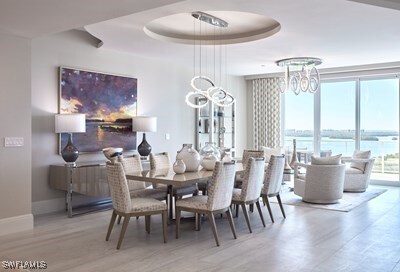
(216, 94)
(301, 75)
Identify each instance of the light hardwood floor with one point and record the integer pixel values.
(364, 239)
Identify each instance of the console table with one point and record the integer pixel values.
(85, 178)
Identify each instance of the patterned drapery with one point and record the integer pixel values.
(266, 112)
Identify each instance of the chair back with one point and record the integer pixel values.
(274, 175)
(132, 164)
(251, 153)
(221, 187)
(253, 179)
(121, 199)
(324, 182)
(159, 161)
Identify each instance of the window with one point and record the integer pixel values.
(379, 125)
(338, 118)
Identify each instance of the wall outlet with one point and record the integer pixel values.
(13, 141)
(167, 136)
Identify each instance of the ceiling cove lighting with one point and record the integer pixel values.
(301, 75)
(216, 94)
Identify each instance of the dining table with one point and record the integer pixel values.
(168, 177)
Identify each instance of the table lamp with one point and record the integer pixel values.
(70, 123)
(144, 124)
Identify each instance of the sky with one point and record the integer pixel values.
(379, 106)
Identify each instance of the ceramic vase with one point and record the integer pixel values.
(208, 161)
(179, 166)
(294, 155)
(190, 157)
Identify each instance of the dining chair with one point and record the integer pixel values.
(217, 201)
(251, 188)
(126, 207)
(161, 161)
(247, 154)
(273, 183)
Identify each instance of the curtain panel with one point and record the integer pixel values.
(266, 112)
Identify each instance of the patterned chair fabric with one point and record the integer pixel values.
(132, 164)
(218, 199)
(138, 188)
(247, 154)
(273, 182)
(126, 207)
(251, 188)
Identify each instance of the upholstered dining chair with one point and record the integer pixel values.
(251, 188)
(247, 154)
(162, 161)
(127, 207)
(217, 201)
(138, 188)
(273, 182)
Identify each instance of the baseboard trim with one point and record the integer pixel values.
(16, 224)
(48, 206)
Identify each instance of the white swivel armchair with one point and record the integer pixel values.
(357, 175)
(321, 184)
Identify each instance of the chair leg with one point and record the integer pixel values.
(147, 223)
(119, 219)
(246, 215)
(237, 210)
(171, 207)
(269, 208)
(164, 224)
(280, 205)
(123, 230)
(251, 207)
(213, 226)
(260, 212)
(111, 225)
(229, 214)
(177, 221)
(198, 221)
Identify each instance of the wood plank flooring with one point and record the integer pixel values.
(364, 239)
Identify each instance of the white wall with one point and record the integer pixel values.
(161, 90)
(15, 120)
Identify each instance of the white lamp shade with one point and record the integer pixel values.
(144, 124)
(70, 123)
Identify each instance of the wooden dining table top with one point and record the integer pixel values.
(169, 177)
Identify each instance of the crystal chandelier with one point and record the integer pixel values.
(210, 92)
(300, 75)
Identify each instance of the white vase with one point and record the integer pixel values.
(179, 166)
(208, 161)
(227, 155)
(190, 157)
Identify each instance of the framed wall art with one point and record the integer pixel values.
(108, 101)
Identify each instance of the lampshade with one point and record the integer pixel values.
(144, 124)
(70, 123)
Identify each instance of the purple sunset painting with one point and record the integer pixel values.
(108, 101)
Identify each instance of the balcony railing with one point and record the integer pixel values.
(386, 157)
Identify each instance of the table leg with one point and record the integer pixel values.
(170, 204)
(69, 191)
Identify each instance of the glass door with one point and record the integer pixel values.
(338, 118)
(379, 125)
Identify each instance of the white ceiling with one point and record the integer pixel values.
(341, 32)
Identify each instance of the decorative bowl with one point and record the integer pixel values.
(112, 153)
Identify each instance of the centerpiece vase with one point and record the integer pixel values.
(294, 155)
(190, 157)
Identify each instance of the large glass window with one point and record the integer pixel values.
(338, 119)
(379, 125)
(299, 120)
(353, 114)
